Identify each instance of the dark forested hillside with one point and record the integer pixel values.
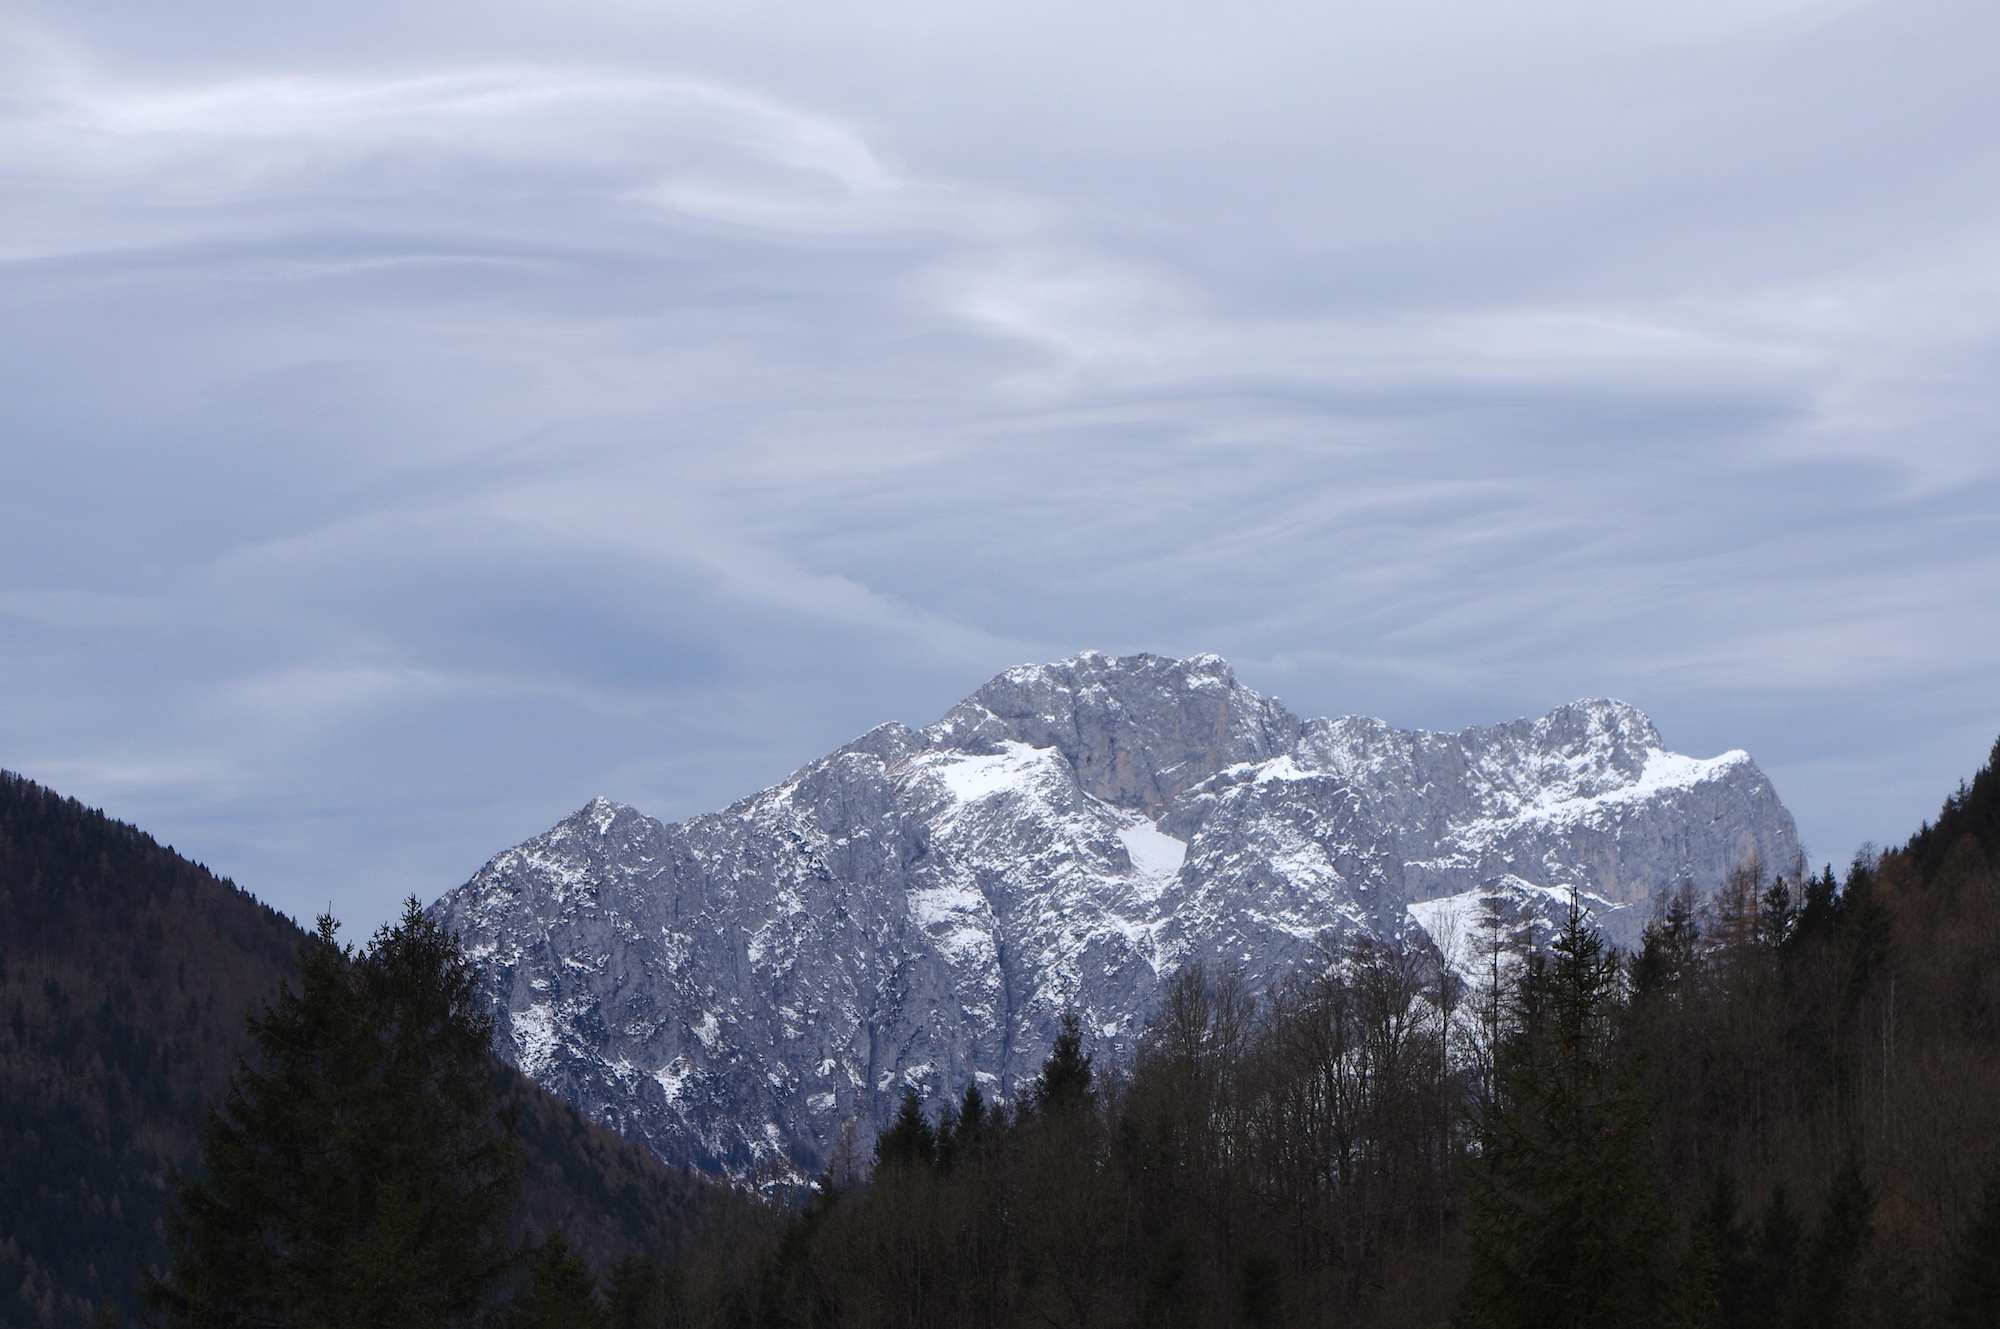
(126, 975)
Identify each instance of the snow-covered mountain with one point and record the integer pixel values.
(920, 907)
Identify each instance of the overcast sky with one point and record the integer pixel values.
(417, 418)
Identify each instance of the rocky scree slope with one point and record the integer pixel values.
(920, 907)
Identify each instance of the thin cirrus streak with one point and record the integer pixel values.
(470, 137)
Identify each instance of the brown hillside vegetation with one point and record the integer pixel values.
(126, 976)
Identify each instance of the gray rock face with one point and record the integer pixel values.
(920, 907)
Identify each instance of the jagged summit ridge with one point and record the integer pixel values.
(1137, 731)
(920, 906)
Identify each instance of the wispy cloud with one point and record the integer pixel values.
(641, 400)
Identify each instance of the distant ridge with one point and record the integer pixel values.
(919, 907)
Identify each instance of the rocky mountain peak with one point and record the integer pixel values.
(920, 908)
(1615, 733)
(1138, 729)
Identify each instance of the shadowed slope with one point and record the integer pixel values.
(126, 973)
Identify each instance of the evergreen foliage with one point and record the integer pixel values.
(963, 1132)
(1823, 1286)
(1169, 1297)
(1714, 1251)
(1567, 1228)
(909, 1141)
(645, 1295)
(1064, 1085)
(126, 976)
(1720, 1259)
(1773, 1262)
(1973, 1299)
(1819, 914)
(1862, 926)
(560, 1293)
(363, 1169)
(1260, 1292)
(1972, 814)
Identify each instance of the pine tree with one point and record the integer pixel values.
(560, 1293)
(1820, 1293)
(962, 1130)
(1973, 812)
(945, 1137)
(644, 1295)
(1566, 1227)
(1772, 1265)
(1713, 1270)
(1670, 946)
(1819, 915)
(974, 1123)
(1973, 1301)
(1777, 914)
(909, 1141)
(1064, 1086)
(1727, 1238)
(361, 1169)
(1864, 927)
(1698, 1303)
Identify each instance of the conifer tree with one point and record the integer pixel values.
(962, 1131)
(1064, 1086)
(1820, 1292)
(644, 1295)
(361, 1169)
(1863, 931)
(1566, 1227)
(909, 1141)
(1670, 946)
(560, 1293)
(1698, 1303)
(1713, 1270)
(945, 1138)
(973, 1121)
(1720, 1229)
(1772, 1264)
(1973, 1300)
(1819, 913)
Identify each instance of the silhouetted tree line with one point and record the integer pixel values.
(1783, 1110)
